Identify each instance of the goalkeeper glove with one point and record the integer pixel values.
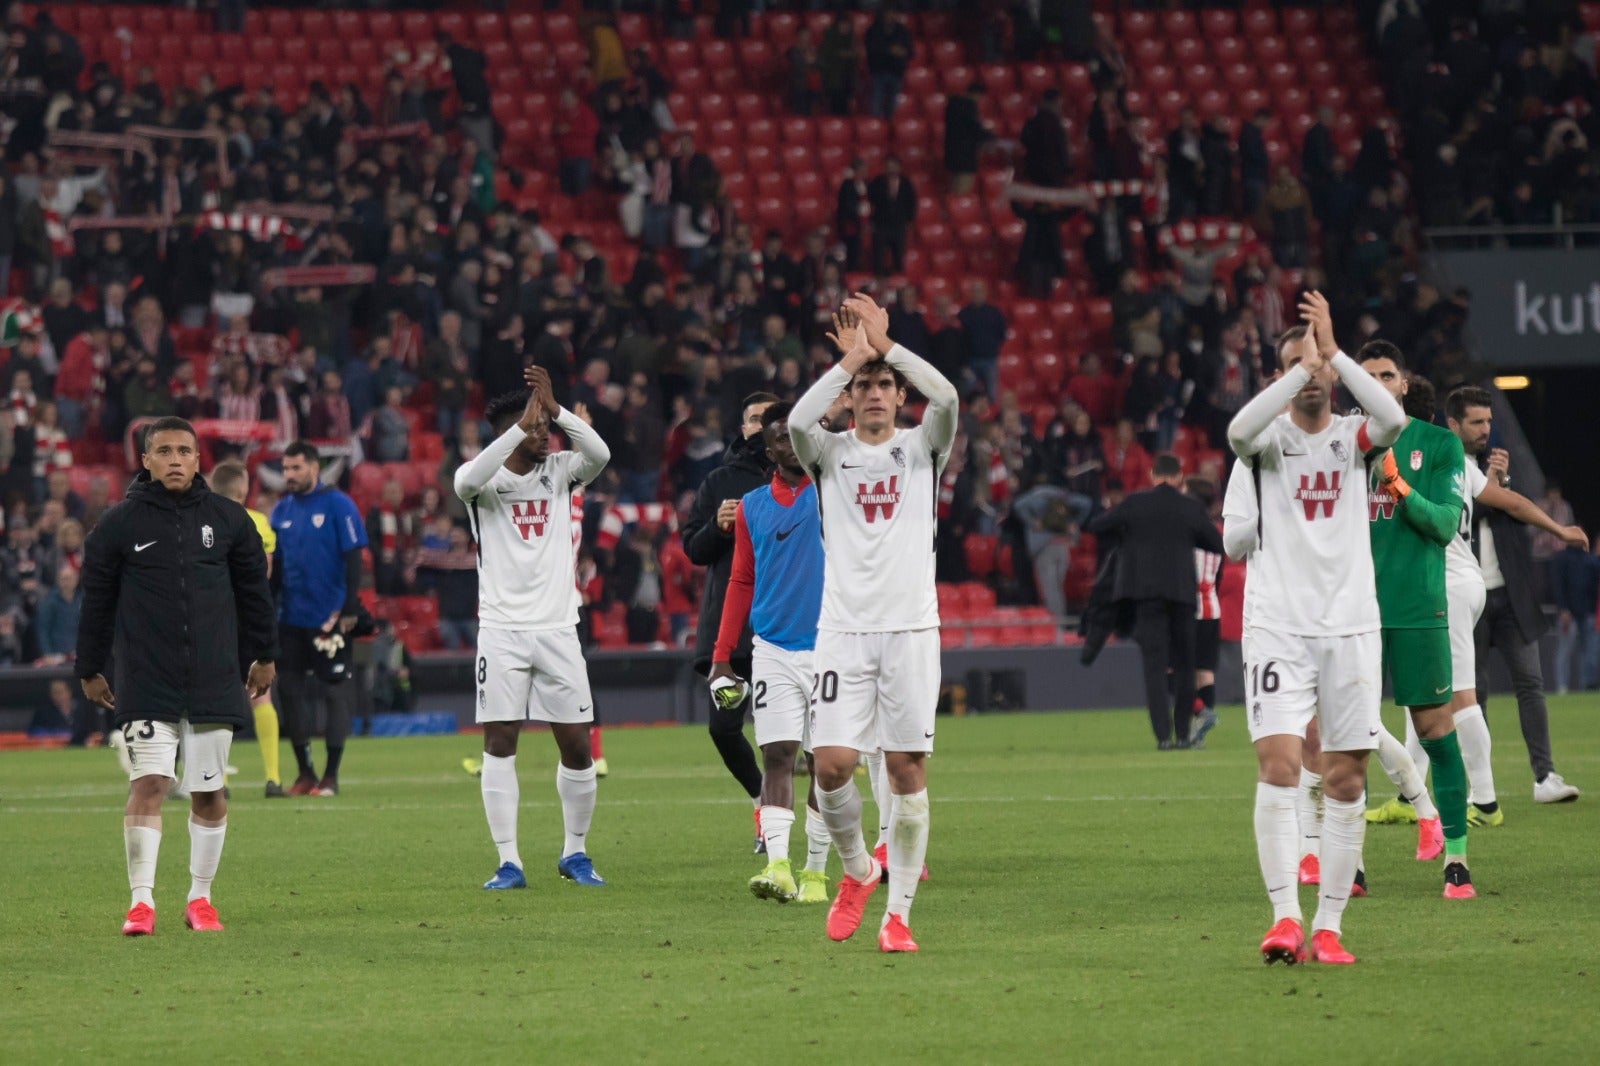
(1391, 480)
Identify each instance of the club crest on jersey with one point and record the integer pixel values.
(544, 483)
(879, 498)
(1318, 495)
(1416, 460)
(1338, 450)
(899, 456)
(317, 520)
(206, 539)
(530, 517)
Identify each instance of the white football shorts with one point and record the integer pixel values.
(1288, 678)
(1464, 600)
(532, 675)
(875, 690)
(780, 694)
(152, 749)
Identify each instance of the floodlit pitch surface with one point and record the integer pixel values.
(1091, 900)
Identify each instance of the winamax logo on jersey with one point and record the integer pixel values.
(1319, 494)
(530, 517)
(883, 496)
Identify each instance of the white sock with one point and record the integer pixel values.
(1473, 732)
(908, 846)
(817, 840)
(205, 854)
(142, 841)
(881, 796)
(1414, 749)
(1276, 847)
(1308, 812)
(1344, 830)
(1403, 772)
(841, 811)
(501, 793)
(775, 825)
(577, 790)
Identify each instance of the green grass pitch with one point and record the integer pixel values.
(1091, 900)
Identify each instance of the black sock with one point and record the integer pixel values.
(1488, 808)
(1208, 696)
(302, 755)
(335, 756)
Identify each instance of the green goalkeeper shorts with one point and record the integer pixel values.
(1418, 664)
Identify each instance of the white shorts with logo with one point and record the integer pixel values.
(1464, 599)
(1288, 678)
(152, 749)
(876, 690)
(536, 675)
(780, 694)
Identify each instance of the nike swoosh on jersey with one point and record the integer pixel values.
(785, 533)
(852, 466)
(142, 547)
(1293, 455)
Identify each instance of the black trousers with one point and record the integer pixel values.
(1164, 631)
(1498, 628)
(302, 690)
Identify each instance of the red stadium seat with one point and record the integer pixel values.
(1299, 22)
(1218, 22)
(1268, 49)
(1228, 50)
(1137, 25)
(1189, 50)
(1159, 77)
(1179, 23)
(1259, 22)
(1149, 50)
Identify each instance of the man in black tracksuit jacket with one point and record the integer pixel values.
(175, 583)
(708, 542)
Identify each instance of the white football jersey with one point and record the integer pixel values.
(1311, 573)
(524, 527)
(878, 504)
(1460, 565)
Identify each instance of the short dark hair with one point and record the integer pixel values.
(1382, 350)
(1456, 404)
(1420, 401)
(755, 398)
(507, 404)
(776, 412)
(1293, 333)
(1166, 465)
(876, 364)
(164, 425)
(303, 449)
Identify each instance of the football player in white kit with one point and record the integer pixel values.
(877, 653)
(530, 666)
(1470, 418)
(1311, 645)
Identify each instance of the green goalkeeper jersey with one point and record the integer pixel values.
(1409, 535)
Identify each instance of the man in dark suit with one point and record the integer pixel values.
(1046, 158)
(1513, 621)
(1158, 531)
(850, 217)
(964, 136)
(894, 208)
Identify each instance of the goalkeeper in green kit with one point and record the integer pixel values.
(1415, 510)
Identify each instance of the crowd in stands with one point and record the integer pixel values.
(363, 271)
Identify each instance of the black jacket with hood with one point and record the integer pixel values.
(745, 468)
(177, 587)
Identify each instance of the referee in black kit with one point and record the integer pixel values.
(1159, 530)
